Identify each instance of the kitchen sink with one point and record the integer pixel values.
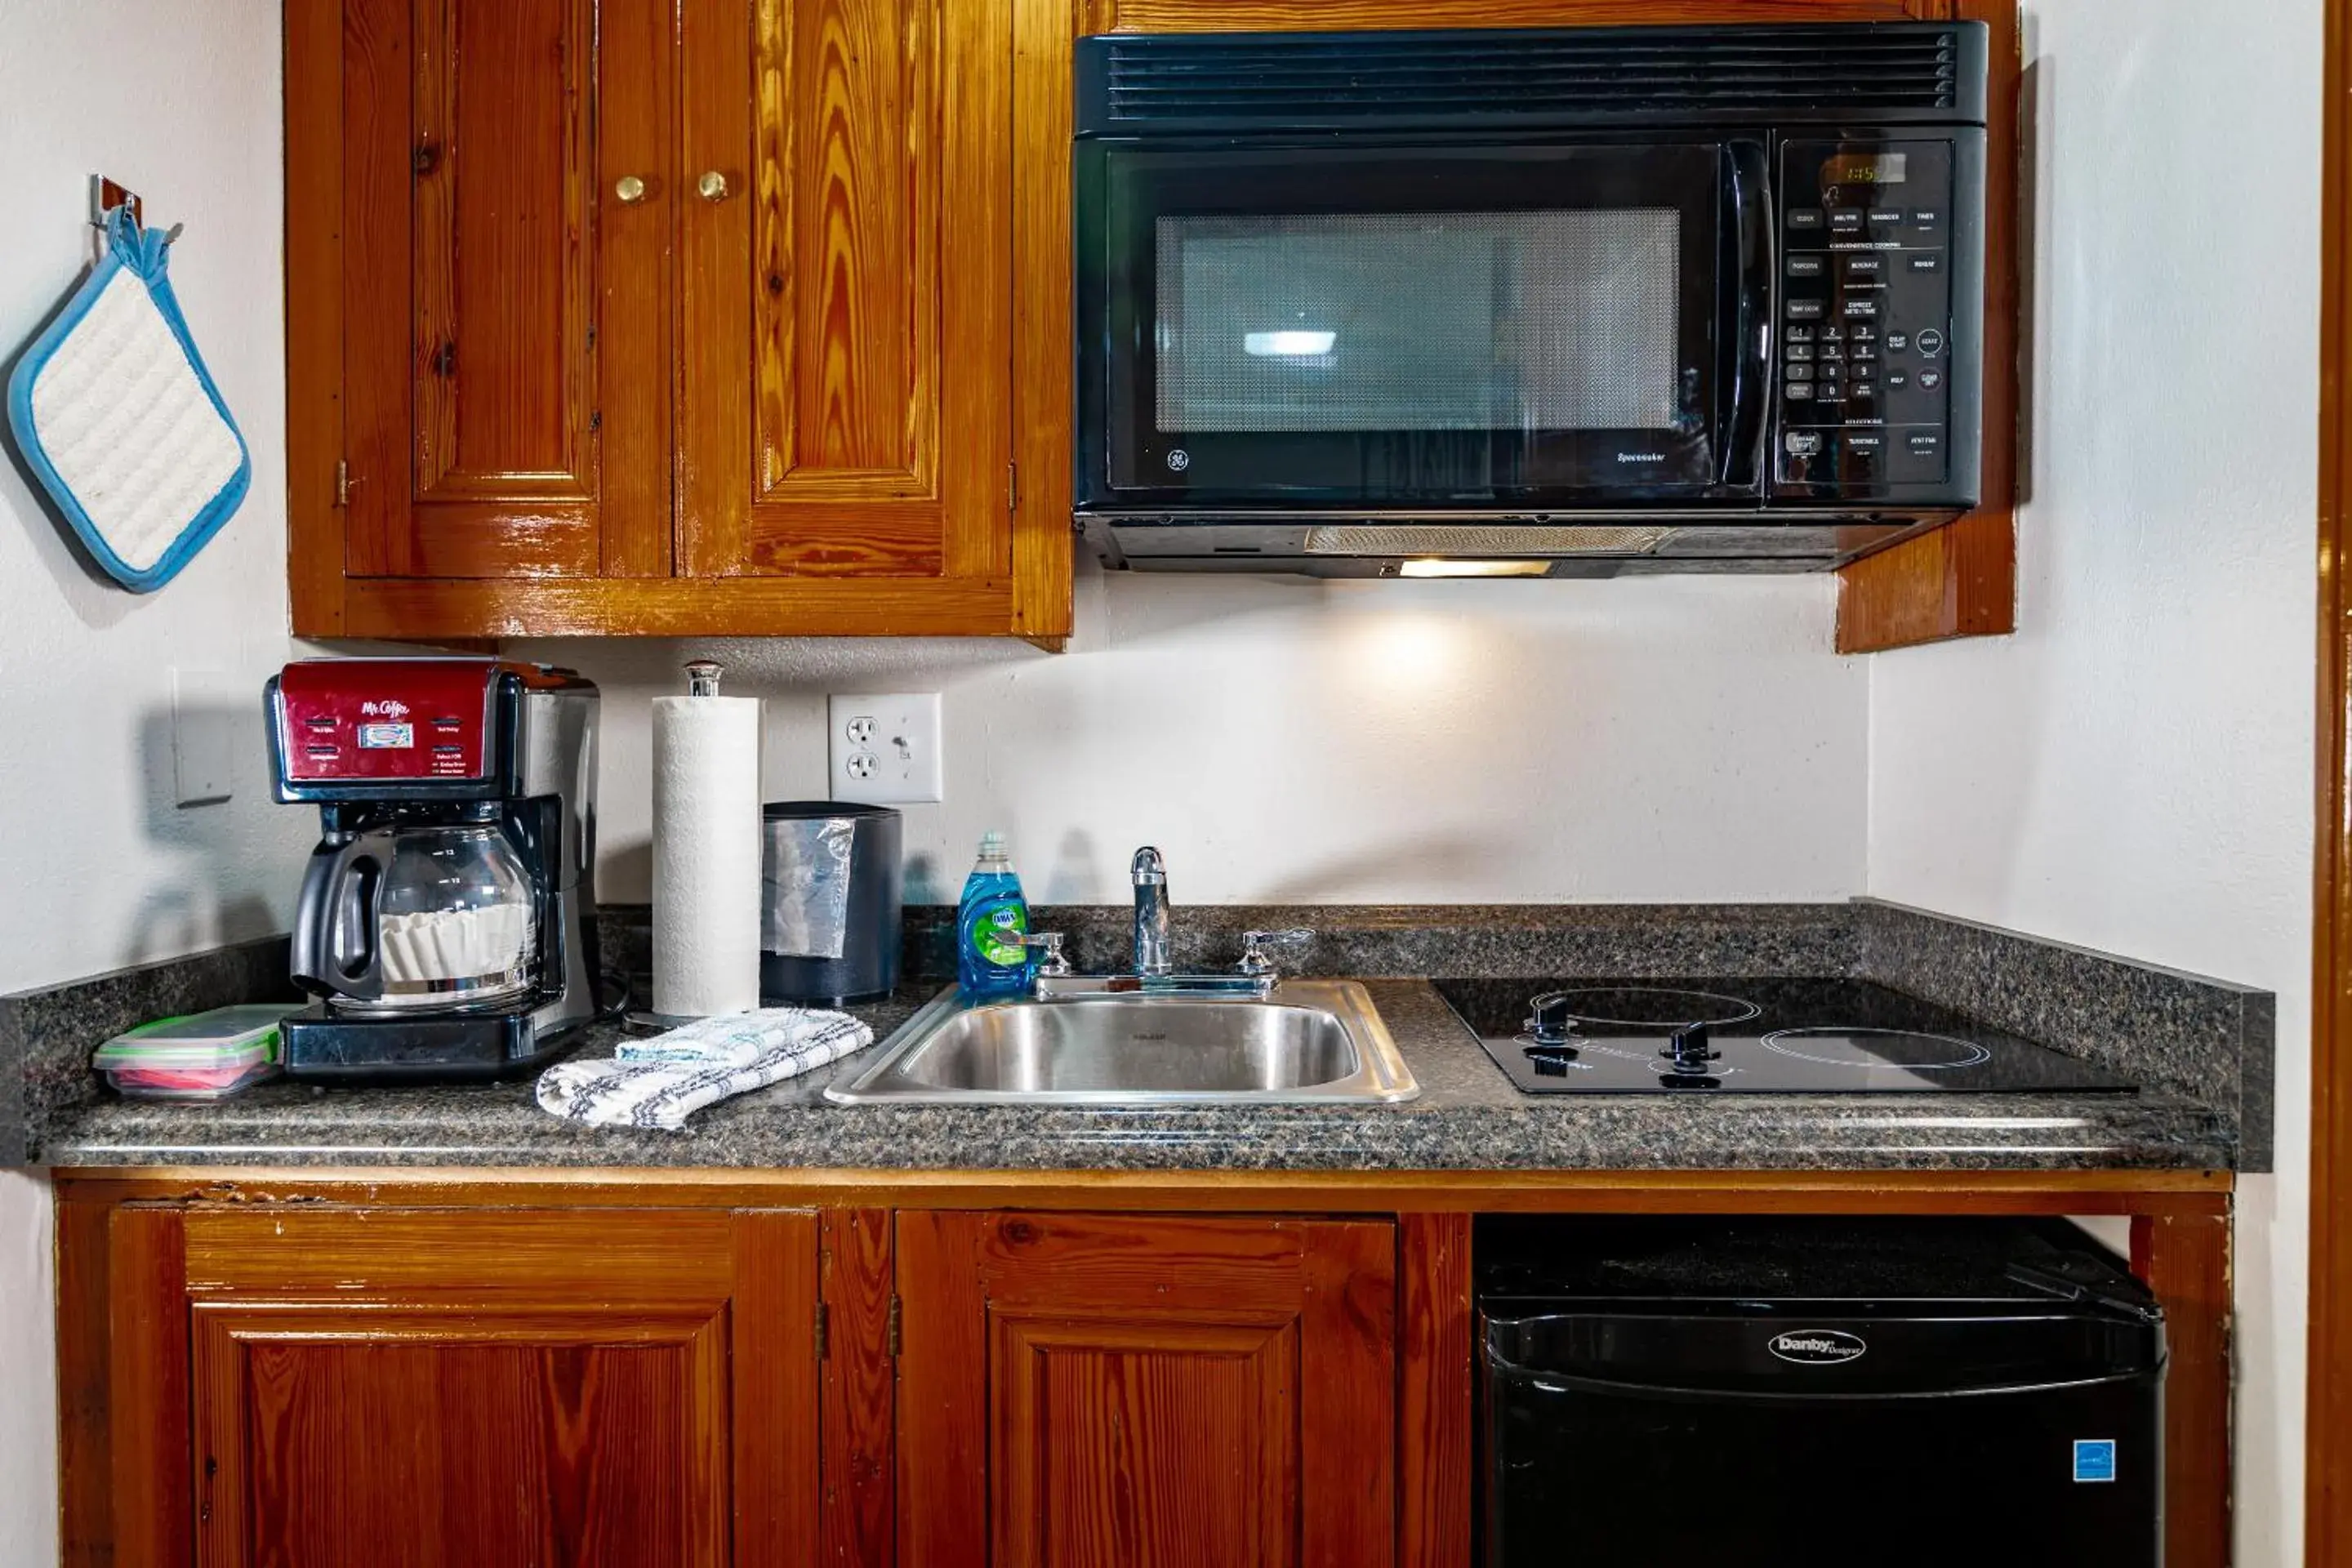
(1312, 1041)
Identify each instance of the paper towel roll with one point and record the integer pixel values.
(706, 854)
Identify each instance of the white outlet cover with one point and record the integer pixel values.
(884, 750)
(203, 735)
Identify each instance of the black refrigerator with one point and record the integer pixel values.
(1815, 1393)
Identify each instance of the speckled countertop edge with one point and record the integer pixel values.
(1468, 1117)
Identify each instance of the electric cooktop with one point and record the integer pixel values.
(1750, 1037)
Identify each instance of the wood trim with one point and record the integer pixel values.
(942, 1505)
(1435, 1355)
(1227, 1192)
(2185, 1260)
(430, 609)
(314, 314)
(147, 1383)
(1348, 1388)
(859, 1411)
(85, 1452)
(777, 1400)
(2328, 1454)
(1045, 414)
(1960, 580)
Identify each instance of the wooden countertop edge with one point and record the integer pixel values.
(2176, 1192)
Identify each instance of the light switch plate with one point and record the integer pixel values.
(884, 750)
(203, 735)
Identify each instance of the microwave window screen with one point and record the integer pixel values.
(1563, 320)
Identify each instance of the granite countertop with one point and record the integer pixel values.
(1467, 1117)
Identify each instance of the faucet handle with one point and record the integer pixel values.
(1254, 959)
(1048, 944)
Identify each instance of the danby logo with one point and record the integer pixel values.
(1818, 1347)
(1641, 456)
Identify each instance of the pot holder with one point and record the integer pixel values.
(116, 415)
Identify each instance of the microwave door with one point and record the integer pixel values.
(1411, 325)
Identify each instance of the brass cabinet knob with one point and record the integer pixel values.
(712, 185)
(629, 189)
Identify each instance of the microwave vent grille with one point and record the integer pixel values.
(1473, 540)
(1168, 82)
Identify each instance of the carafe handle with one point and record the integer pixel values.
(340, 887)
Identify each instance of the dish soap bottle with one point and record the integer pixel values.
(990, 920)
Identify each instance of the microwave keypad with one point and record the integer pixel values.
(1865, 315)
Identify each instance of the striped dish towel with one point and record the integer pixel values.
(662, 1081)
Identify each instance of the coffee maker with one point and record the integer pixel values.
(447, 919)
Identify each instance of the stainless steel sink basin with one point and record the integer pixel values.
(1312, 1040)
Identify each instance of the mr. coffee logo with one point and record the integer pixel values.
(1818, 1347)
(387, 707)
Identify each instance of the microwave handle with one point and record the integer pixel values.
(1758, 247)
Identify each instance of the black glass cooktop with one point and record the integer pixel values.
(1750, 1037)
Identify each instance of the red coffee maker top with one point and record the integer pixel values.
(395, 720)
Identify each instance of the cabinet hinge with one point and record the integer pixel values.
(897, 1340)
(824, 1315)
(1012, 486)
(343, 482)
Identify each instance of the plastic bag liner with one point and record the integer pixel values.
(805, 902)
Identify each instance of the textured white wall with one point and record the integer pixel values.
(1690, 739)
(99, 868)
(2133, 771)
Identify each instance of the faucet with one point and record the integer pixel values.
(1150, 874)
(1153, 971)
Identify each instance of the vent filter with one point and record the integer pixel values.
(1520, 540)
(1882, 71)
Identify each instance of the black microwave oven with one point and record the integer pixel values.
(1574, 302)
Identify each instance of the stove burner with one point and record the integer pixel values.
(1850, 1047)
(1657, 1009)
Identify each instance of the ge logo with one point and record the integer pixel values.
(1180, 460)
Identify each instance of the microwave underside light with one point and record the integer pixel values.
(1475, 541)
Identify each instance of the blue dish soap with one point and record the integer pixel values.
(990, 920)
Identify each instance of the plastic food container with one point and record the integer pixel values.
(203, 1055)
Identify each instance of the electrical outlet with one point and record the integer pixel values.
(884, 750)
(203, 736)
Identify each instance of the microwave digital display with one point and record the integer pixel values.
(1865, 169)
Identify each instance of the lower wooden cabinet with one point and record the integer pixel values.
(517, 1386)
(691, 1387)
(1110, 1391)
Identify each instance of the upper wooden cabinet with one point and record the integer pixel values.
(672, 317)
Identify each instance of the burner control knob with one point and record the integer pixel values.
(1548, 1021)
(1688, 1050)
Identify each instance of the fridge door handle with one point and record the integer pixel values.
(1756, 252)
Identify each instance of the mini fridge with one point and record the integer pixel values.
(1738, 1393)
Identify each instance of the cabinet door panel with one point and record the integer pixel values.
(503, 261)
(453, 1438)
(846, 388)
(1120, 1390)
(1160, 1444)
(551, 1387)
(471, 225)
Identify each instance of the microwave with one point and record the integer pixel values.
(1566, 302)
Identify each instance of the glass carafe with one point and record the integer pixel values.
(455, 921)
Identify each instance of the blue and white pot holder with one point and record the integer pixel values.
(116, 415)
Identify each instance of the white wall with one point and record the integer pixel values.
(1283, 740)
(99, 868)
(2133, 771)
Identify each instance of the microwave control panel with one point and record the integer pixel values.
(1865, 354)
